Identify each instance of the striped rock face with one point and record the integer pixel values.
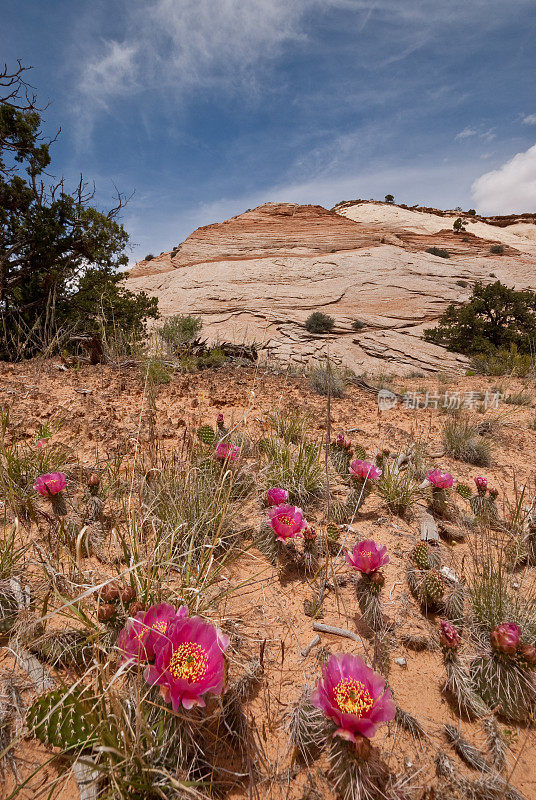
(258, 276)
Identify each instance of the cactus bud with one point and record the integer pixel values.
(527, 652)
(110, 592)
(448, 635)
(105, 612)
(505, 638)
(128, 595)
(135, 607)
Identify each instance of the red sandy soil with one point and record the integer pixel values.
(103, 407)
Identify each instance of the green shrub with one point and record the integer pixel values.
(463, 284)
(319, 323)
(357, 325)
(497, 249)
(149, 257)
(326, 380)
(180, 329)
(389, 198)
(494, 317)
(156, 372)
(438, 251)
(471, 212)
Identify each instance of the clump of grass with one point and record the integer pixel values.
(357, 325)
(156, 372)
(22, 461)
(398, 488)
(462, 441)
(497, 249)
(294, 467)
(327, 380)
(290, 425)
(518, 399)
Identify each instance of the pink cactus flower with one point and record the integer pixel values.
(481, 484)
(448, 635)
(227, 452)
(367, 557)
(365, 470)
(50, 484)
(276, 496)
(353, 696)
(219, 420)
(147, 631)
(343, 443)
(189, 663)
(505, 638)
(286, 521)
(41, 442)
(440, 480)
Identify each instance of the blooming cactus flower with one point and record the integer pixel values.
(189, 663)
(353, 696)
(365, 470)
(50, 484)
(440, 480)
(286, 521)
(367, 557)
(227, 452)
(147, 631)
(448, 635)
(276, 496)
(505, 638)
(481, 484)
(345, 444)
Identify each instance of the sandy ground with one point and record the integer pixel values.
(101, 408)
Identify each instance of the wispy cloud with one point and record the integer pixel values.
(468, 133)
(529, 119)
(509, 189)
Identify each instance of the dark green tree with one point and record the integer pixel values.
(60, 258)
(494, 317)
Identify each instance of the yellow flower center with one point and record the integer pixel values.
(188, 661)
(160, 626)
(286, 520)
(352, 697)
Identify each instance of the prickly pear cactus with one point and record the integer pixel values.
(9, 607)
(338, 513)
(464, 491)
(421, 556)
(432, 589)
(64, 719)
(455, 604)
(340, 458)
(359, 452)
(206, 434)
(505, 685)
(516, 553)
(356, 498)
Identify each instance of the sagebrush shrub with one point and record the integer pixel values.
(438, 251)
(180, 329)
(326, 380)
(317, 322)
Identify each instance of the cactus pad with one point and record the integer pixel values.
(64, 719)
(206, 434)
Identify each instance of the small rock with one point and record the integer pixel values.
(402, 662)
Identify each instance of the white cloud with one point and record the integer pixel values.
(510, 188)
(466, 133)
(529, 119)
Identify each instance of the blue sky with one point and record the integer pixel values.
(209, 107)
